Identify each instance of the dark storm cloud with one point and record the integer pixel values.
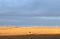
(30, 7)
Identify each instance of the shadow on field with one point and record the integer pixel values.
(32, 36)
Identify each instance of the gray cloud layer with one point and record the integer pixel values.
(30, 7)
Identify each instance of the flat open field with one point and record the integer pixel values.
(29, 32)
(25, 30)
(39, 36)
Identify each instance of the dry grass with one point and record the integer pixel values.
(13, 30)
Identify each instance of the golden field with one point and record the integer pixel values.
(24, 30)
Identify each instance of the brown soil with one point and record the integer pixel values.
(45, 36)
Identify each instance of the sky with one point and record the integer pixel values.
(29, 10)
(30, 7)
